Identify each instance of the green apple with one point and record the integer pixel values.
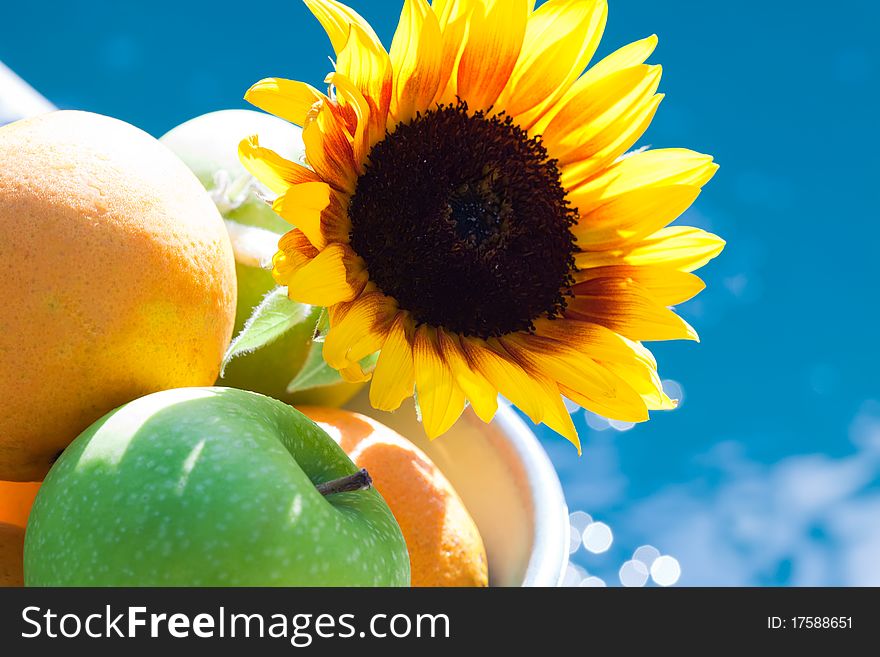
(210, 487)
(208, 144)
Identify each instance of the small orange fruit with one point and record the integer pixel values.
(445, 547)
(11, 555)
(16, 500)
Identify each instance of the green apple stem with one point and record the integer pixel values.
(360, 480)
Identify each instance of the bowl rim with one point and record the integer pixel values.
(549, 555)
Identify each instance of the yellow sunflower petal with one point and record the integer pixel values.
(632, 54)
(441, 400)
(629, 361)
(337, 19)
(302, 206)
(677, 247)
(623, 136)
(481, 394)
(365, 62)
(329, 149)
(652, 168)
(287, 99)
(561, 362)
(557, 416)
(632, 216)
(275, 172)
(350, 96)
(295, 251)
(394, 377)
(354, 373)
(416, 58)
(357, 329)
(453, 17)
(667, 286)
(646, 382)
(626, 57)
(534, 394)
(494, 40)
(628, 308)
(335, 275)
(593, 116)
(561, 38)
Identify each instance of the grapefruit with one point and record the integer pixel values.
(118, 280)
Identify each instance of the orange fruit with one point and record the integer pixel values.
(16, 499)
(117, 279)
(11, 555)
(445, 548)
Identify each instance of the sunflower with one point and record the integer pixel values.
(469, 210)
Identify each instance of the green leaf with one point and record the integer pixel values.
(322, 328)
(273, 317)
(316, 373)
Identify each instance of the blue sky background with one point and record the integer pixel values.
(769, 472)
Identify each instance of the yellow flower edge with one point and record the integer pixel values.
(433, 164)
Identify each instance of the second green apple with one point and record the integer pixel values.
(208, 144)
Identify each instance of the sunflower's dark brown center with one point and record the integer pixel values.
(462, 218)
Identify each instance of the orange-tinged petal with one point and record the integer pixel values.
(632, 216)
(294, 252)
(417, 59)
(598, 342)
(357, 329)
(613, 143)
(628, 308)
(365, 62)
(337, 19)
(329, 150)
(302, 205)
(394, 378)
(534, 394)
(288, 99)
(667, 286)
(628, 360)
(351, 97)
(608, 394)
(505, 376)
(441, 400)
(592, 116)
(631, 362)
(453, 17)
(494, 40)
(561, 38)
(481, 394)
(676, 247)
(335, 275)
(275, 172)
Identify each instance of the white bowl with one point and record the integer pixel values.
(509, 487)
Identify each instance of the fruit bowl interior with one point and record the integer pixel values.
(507, 484)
